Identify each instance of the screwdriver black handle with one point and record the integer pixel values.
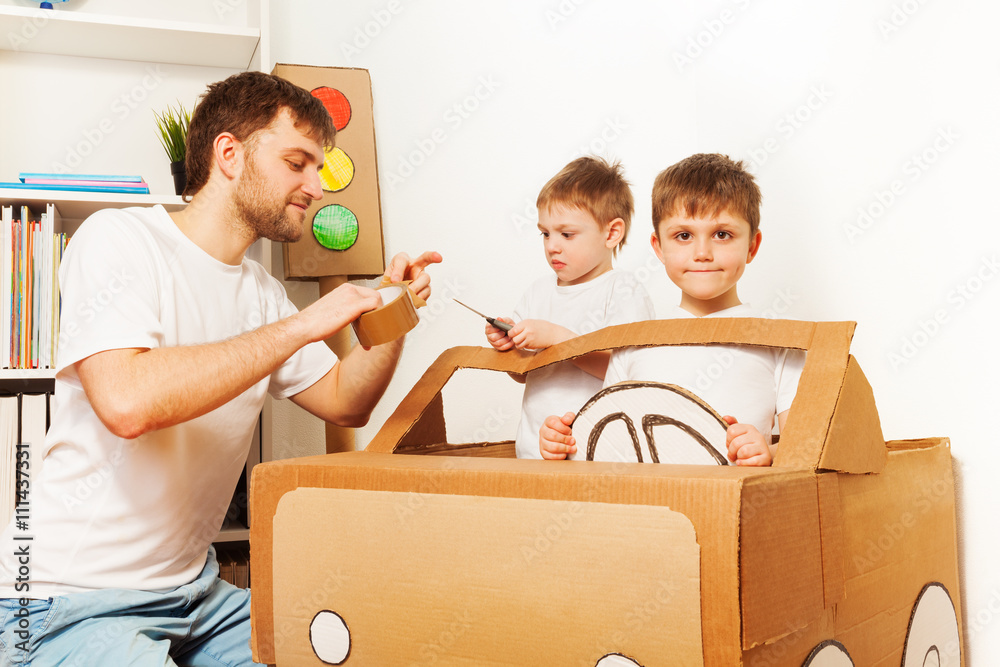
(499, 325)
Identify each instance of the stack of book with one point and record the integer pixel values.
(32, 249)
(23, 423)
(80, 183)
(234, 564)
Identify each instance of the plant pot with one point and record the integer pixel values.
(180, 176)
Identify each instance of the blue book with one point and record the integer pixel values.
(80, 177)
(17, 185)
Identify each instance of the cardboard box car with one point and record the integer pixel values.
(419, 551)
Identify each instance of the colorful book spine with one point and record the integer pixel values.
(28, 176)
(109, 188)
(29, 290)
(99, 184)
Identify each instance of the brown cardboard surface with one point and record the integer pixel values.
(781, 564)
(807, 438)
(307, 259)
(898, 534)
(855, 431)
(831, 521)
(708, 495)
(530, 582)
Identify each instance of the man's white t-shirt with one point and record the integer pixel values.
(753, 384)
(107, 512)
(612, 298)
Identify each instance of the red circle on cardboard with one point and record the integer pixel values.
(337, 105)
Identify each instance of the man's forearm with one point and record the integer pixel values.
(363, 377)
(136, 392)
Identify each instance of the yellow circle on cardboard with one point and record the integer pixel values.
(337, 172)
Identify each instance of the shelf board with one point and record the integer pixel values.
(28, 381)
(68, 33)
(77, 206)
(233, 535)
(27, 373)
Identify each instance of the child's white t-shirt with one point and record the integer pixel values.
(753, 384)
(107, 512)
(612, 298)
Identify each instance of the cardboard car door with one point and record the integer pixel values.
(392, 578)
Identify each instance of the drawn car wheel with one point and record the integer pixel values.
(330, 638)
(830, 653)
(932, 640)
(649, 421)
(616, 660)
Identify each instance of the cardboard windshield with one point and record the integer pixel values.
(833, 423)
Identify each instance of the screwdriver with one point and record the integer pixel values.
(503, 326)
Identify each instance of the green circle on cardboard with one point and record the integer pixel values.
(335, 227)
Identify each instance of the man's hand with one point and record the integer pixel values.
(555, 438)
(498, 338)
(403, 268)
(336, 310)
(746, 445)
(538, 334)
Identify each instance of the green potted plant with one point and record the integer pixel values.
(173, 128)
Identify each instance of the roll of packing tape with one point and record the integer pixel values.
(396, 316)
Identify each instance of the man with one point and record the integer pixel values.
(170, 340)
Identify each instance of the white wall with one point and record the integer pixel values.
(834, 104)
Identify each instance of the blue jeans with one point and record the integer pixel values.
(205, 623)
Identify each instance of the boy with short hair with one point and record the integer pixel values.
(706, 217)
(584, 215)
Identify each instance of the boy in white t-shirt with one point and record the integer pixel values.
(706, 217)
(584, 214)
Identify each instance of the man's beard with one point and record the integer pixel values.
(263, 212)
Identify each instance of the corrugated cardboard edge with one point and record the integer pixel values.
(806, 439)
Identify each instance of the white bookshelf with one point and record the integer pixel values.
(102, 49)
(29, 374)
(233, 535)
(75, 207)
(78, 34)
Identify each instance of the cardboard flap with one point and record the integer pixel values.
(781, 563)
(855, 442)
(429, 427)
(833, 423)
(499, 581)
(831, 524)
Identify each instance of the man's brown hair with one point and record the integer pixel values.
(593, 185)
(242, 105)
(706, 184)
